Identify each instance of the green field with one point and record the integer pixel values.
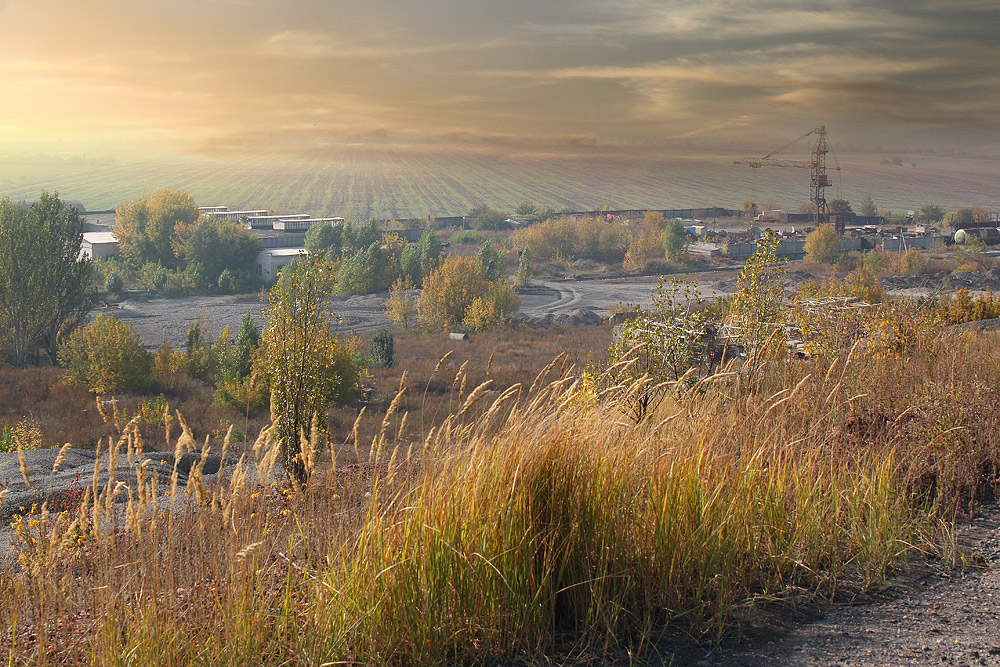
(401, 181)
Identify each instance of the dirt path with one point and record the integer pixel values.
(932, 615)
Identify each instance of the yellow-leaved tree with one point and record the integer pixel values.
(307, 363)
(458, 293)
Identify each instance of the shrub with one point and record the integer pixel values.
(114, 282)
(382, 349)
(107, 357)
(467, 237)
(452, 289)
(823, 245)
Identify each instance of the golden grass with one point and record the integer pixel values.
(530, 517)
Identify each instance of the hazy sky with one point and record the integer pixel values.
(192, 73)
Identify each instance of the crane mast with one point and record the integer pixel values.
(818, 178)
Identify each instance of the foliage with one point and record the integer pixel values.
(971, 256)
(382, 349)
(106, 357)
(429, 251)
(964, 307)
(675, 241)
(484, 217)
(361, 236)
(218, 246)
(755, 309)
(113, 282)
(466, 237)
(451, 290)
(494, 261)
(660, 344)
(823, 245)
(914, 262)
(307, 364)
(145, 226)
(840, 207)
(45, 288)
(932, 212)
(247, 341)
(867, 207)
(409, 265)
(523, 277)
(364, 272)
(962, 216)
(325, 237)
(22, 436)
(154, 276)
(400, 305)
(572, 238)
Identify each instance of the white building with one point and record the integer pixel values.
(271, 260)
(98, 245)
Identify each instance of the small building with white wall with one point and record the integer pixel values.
(98, 245)
(271, 260)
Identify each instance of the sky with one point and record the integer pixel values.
(196, 75)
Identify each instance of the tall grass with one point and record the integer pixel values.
(533, 520)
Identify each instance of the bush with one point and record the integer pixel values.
(466, 237)
(114, 282)
(823, 245)
(484, 217)
(106, 357)
(451, 290)
(382, 349)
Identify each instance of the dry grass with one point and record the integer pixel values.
(527, 518)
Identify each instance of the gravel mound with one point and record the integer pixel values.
(976, 281)
(576, 317)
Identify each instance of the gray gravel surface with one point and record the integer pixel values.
(77, 472)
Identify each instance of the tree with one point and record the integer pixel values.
(400, 305)
(484, 217)
(145, 226)
(307, 364)
(106, 357)
(963, 216)
(493, 260)
(364, 272)
(45, 287)
(823, 245)
(247, 341)
(451, 289)
(409, 265)
(429, 250)
(326, 238)
(362, 236)
(932, 212)
(217, 246)
(662, 343)
(840, 207)
(524, 268)
(675, 241)
(755, 308)
(867, 207)
(382, 349)
(524, 209)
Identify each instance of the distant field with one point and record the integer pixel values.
(401, 181)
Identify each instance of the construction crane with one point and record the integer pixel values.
(818, 180)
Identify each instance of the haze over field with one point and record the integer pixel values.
(113, 76)
(359, 181)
